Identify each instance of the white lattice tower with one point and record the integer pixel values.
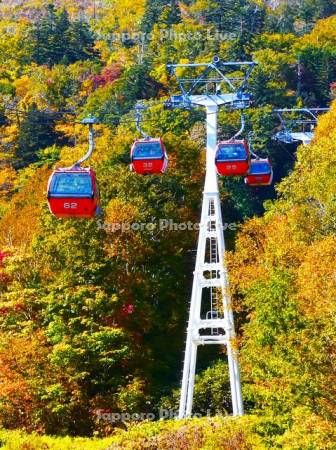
(211, 316)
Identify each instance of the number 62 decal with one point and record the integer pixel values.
(70, 205)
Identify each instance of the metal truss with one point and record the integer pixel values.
(211, 318)
(297, 124)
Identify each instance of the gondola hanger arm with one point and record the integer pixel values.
(242, 128)
(138, 116)
(250, 140)
(90, 121)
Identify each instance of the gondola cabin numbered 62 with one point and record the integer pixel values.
(73, 193)
(232, 158)
(149, 156)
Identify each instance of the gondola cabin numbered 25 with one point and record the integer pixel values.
(73, 193)
(232, 158)
(149, 156)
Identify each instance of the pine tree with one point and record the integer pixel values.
(42, 46)
(171, 14)
(154, 9)
(80, 42)
(318, 73)
(55, 39)
(61, 39)
(36, 132)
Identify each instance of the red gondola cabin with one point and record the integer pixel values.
(232, 158)
(73, 192)
(149, 156)
(260, 173)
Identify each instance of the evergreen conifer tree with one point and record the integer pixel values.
(36, 132)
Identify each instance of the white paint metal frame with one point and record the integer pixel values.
(291, 132)
(210, 273)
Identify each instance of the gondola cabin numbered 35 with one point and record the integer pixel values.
(149, 156)
(260, 173)
(73, 193)
(232, 158)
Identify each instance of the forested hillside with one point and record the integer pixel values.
(93, 318)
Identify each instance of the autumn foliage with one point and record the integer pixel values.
(93, 316)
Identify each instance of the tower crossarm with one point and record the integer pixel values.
(297, 124)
